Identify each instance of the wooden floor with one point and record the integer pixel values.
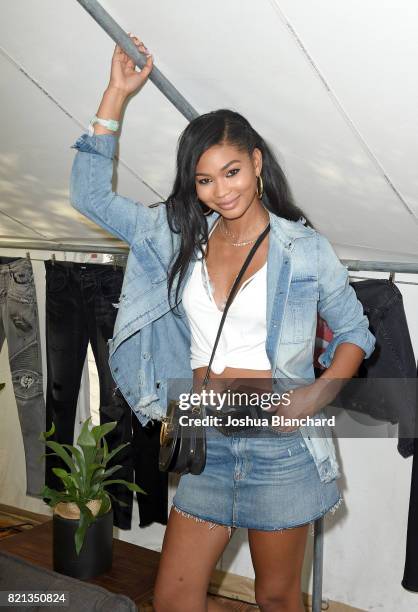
(228, 604)
(12, 524)
(13, 521)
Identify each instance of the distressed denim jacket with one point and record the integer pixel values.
(151, 345)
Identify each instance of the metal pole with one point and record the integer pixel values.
(120, 37)
(381, 266)
(318, 555)
(49, 245)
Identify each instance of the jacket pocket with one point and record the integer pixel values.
(150, 260)
(301, 311)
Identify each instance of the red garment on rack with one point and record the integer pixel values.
(323, 337)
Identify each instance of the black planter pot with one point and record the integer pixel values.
(96, 553)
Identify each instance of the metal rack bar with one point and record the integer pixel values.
(381, 266)
(112, 249)
(50, 245)
(109, 25)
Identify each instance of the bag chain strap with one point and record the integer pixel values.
(229, 302)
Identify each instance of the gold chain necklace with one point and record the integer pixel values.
(243, 243)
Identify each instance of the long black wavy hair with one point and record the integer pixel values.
(185, 213)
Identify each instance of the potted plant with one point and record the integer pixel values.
(83, 515)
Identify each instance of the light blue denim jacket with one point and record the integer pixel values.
(151, 346)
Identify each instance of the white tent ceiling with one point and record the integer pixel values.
(329, 84)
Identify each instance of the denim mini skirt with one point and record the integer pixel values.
(256, 482)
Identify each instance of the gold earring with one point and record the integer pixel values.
(260, 186)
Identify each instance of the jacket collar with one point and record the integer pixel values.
(283, 229)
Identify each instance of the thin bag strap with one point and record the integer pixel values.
(232, 295)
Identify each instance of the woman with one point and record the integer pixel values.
(228, 189)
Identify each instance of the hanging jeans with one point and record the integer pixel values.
(19, 324)
(152, 507)
(80, 308)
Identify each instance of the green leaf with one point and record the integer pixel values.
(106, 504)
(61, 452)
(115, 499)
(60, 473)
(92, 470)
(71, 481)
(53, 495)
(114, 452)
(86, 438)
(106, 473)
(78, 457)
(99, 431)
(105, 449)
(131, 486)
(86, 518)
(46, 434)
(95, 490)
(87, 442)
(97, 475)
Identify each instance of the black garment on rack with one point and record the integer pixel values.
(145, 450)
(410, 576)
(81, 307)
(388, 388)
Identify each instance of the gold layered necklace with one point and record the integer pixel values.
(242, 243)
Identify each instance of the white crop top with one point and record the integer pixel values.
(243, 337)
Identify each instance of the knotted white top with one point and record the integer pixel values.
(243, 337)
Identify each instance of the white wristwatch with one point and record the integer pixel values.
(109, 124)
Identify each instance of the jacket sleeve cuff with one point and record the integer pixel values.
(361, 337)
(99, 144)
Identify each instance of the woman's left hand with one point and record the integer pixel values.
(302, 404)
(308, 400)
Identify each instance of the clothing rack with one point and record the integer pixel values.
(120, 254)
(55, 245)
(111, 249)
(351, 264)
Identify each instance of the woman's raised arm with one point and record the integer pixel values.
(92, 171)
(124, 81)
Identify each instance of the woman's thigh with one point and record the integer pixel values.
(278, 557)
(189, 555)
